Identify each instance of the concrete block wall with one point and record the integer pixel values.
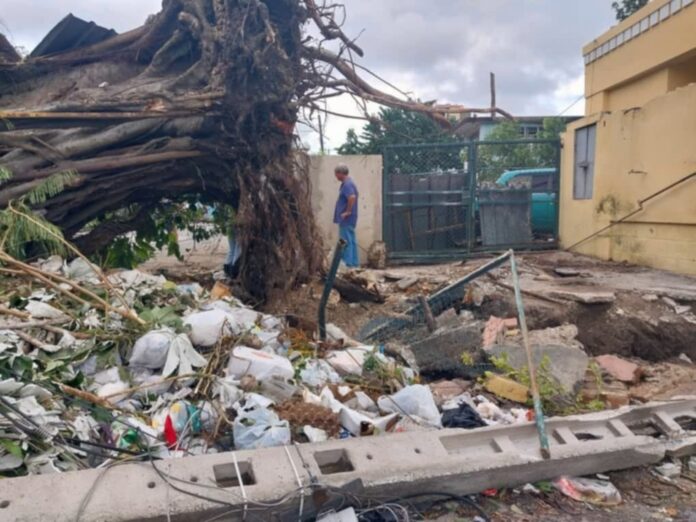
(366, 171)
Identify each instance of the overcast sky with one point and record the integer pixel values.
(435, 49)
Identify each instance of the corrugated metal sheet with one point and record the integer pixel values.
(71, 33)
(7, 51)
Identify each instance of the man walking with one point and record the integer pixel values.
(346, 215)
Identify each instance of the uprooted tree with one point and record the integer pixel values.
(203, 99)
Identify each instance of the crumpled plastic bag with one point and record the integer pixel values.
(207, 327)
(598, 492)
(182, 355)
(349, 361)
(40, 310)
(416, 401)
(152, 349)
(227, 391)
(258, 427)
(151, 384)
(318, 372)
(463, 416)
(262, 365)
(80, 270)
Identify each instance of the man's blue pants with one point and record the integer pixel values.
(350, 253)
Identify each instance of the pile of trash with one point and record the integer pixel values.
(129, 366)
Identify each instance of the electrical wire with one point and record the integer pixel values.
(461, 498)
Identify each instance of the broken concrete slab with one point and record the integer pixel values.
(567, 360)
(620, 369)
(565, 334)
(584, 297)
(564, 271)
(678, 309)
(614, 394)
(440, 354)
(406, 283)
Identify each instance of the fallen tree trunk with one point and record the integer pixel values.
(201, 100)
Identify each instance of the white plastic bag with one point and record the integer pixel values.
(207, 327)
(39, 310)
(349, 361)
(80, 270)
(227, 391)
(182, 355)
(262, 365)
(258, 427)
(318, 372)
(151, 350)
(415, 401)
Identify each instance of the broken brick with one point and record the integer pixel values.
(620, 369)
(495, 328)
(507, 389)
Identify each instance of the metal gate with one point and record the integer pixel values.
(449, 200)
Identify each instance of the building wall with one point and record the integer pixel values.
(366, 171)
(638, 152)
(648, 65)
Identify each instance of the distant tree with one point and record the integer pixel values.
(352, 144)
(626, 8)
(494, 159)
(396, 126)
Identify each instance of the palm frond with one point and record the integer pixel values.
(50, 187)
(20, 229)
(5, 174)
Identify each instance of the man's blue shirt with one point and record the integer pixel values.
(348, 189)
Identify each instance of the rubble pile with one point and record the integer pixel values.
(169, 370)
(95, 369)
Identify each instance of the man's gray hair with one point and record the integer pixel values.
(342, 168)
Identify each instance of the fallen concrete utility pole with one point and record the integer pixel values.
(229, 486)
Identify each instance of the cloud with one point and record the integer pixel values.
(437, 49)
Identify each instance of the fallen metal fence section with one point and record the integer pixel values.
(296, 483)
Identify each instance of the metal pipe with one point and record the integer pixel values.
(640, 208)
(538, 409)
(328, 286)
(441, 300)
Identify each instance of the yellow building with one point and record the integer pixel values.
(626, 165)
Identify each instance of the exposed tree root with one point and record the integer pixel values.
(203, 99)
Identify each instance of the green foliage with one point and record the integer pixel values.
(352, 145)
(5, 174)
(395, 126)
(555, 399)
(550, 390)
(626, 8)
(162, 316)
(467, 359)
(50, 187)
(12, 447)
(159, 231)
(22, 228)
(371, 363)
(495, 159)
